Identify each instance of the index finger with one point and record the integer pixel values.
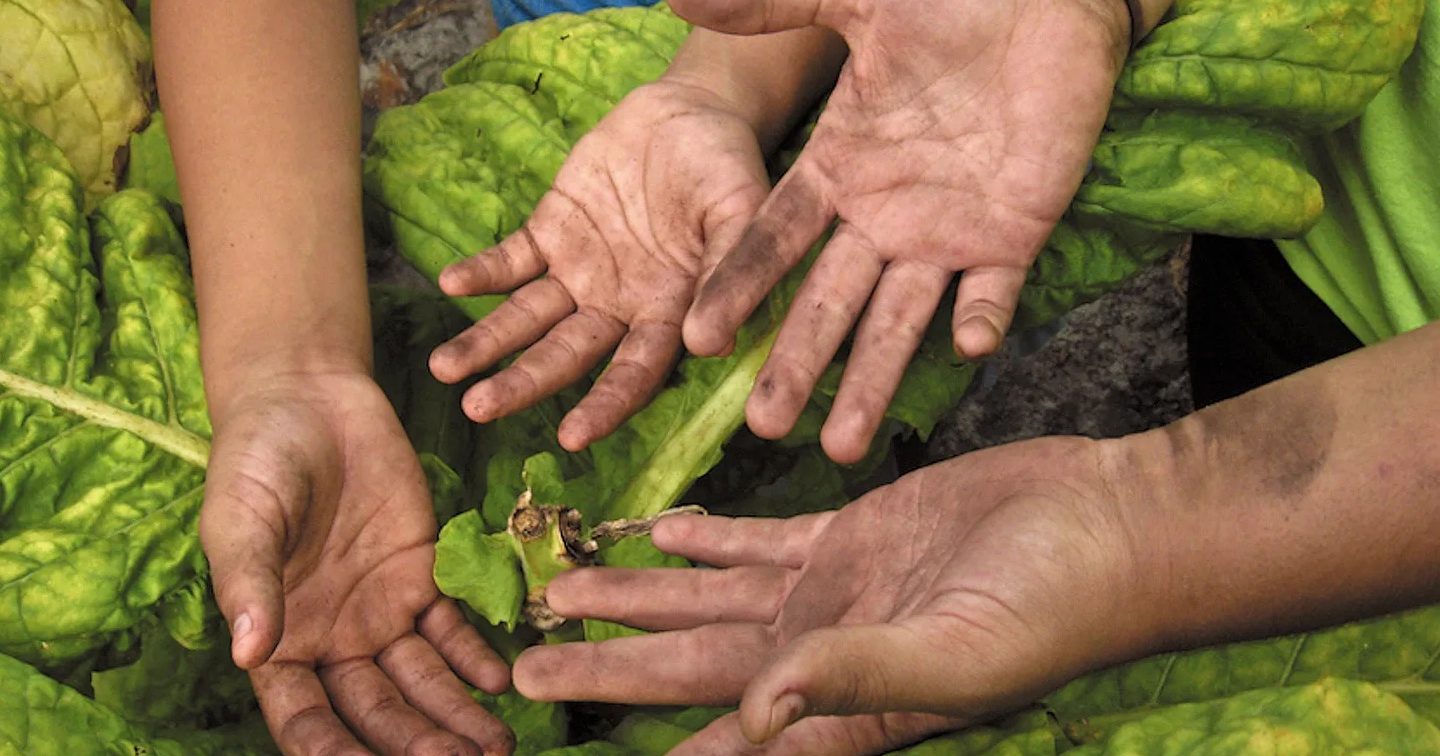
(792, 218)
(298, 712)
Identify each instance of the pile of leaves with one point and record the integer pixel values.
(109, 639)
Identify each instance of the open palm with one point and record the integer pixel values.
(961, 591)
(954, 140)
(320, 535)
(668, 178)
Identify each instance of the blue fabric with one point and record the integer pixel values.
(510, 12)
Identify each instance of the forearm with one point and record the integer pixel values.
(262, 108)
(1310, 501)
(772, 80)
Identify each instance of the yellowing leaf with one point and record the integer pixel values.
(79, 71)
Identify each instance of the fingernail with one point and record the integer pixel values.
(243, 626)
(786, 710)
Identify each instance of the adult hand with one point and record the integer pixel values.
(320, 536)
(961, 591)
(954, 140)
(670, 177)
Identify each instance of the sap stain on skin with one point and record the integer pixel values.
(1284, 435)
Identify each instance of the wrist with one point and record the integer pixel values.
(1141, 475)
(232, 385)
(1128, 22)
(769, 81)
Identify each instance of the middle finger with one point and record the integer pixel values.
(371, 704)
(891, 331)
(706, 666)
(829, 301)
(432, 687)
(559, 359)
(670, 599)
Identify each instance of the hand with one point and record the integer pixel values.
(320, 536)
(670, 177)
(961, 591)
(954, 140)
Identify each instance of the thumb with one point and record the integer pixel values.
(242, 528)
(857, 669)
(754, 16)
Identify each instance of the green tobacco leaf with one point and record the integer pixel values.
(508, 443)
(1399, 654)
(1218, 175)
(447, 490)
(41, 717)
(656, 733)
(1315, 63)
(190, 615)
(78, 70)
(409, 325)
(1332, 716)
(1028, 733)
(481, 569)
(812, 484)
(543, 476)
(103, 430)
(457, 172)
(151, 165)
(537, 726)
(171, 686)
(142, 14)
(578, 65)
(1082, 260)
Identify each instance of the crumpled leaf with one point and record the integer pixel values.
(171, 686)
(481, 569)
(537, 726)
(579, 66)
(457, 174)
(1398, 654)
(1082, 260)
(1026, 733)
(1310, 63)
(103, 430)
(78, 70)
(40, 716)
(1219, 175)
(1332, 716)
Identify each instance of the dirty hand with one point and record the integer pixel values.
(320, 536)
(610, 256)
(954, 140)
(959, 592)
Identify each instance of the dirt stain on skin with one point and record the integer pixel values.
(767, 248)
(1284, 436)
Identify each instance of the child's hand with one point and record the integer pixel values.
(953, 141)
(321, 541)
(666, 181)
